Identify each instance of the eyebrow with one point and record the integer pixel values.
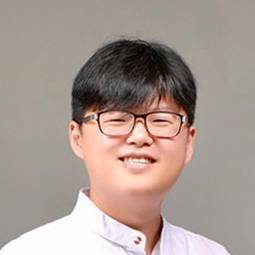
(162, 108)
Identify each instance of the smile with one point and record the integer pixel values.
(137, 161)
(137, 165)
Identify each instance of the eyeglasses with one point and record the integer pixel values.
(121, 123)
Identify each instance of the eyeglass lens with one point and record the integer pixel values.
(117, 123)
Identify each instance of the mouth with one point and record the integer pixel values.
(137, 160)
(137, 164)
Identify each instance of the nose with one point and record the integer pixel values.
(139, 135)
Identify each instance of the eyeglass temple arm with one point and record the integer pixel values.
(90, 117)
(183, 119)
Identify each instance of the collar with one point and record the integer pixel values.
(89, 215)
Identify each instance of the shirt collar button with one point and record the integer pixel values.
(138, 240)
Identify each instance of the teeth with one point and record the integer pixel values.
(137, 160)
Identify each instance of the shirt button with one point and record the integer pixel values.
(138, 240)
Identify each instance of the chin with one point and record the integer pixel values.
(145, 189)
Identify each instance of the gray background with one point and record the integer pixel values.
(42, 46)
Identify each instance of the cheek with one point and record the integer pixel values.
(99, 153)
(173, 155)
(174, 148)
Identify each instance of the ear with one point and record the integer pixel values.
(75, 139)
(190, 143)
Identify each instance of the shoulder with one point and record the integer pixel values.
(195, 243)
(52, 238)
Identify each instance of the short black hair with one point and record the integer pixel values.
(128, 73)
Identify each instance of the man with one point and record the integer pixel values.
(133, 105)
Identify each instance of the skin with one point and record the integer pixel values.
(130, 196)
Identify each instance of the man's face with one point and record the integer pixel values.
(118, 165)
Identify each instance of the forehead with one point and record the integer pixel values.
(167, 104)
(162, 104)
(156, 103)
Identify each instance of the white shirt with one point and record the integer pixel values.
(88, 230)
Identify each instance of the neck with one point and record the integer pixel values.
(142, 213)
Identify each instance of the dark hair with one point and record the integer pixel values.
(126, 74)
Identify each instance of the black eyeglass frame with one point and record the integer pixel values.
(96, 116)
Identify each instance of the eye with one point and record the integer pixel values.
(117, 120)
(162, 122)
(163, 119)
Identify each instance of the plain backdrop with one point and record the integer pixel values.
(42, 46)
